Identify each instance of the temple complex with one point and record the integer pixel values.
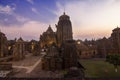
(62, 53)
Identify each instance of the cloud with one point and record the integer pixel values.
(21, 19)
(91, 18)
(30, 1)
(6, 9)
(9, 15)
(35, 10)
(29, 30)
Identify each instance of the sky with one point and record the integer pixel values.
(91, 19)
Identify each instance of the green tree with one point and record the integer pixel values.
(114, 59)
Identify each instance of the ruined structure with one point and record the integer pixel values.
(3, 45)
(19, 50)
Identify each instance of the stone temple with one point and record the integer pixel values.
(61, 53)
(63, 33)
(47, 38)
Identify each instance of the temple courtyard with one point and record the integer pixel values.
(31, 67)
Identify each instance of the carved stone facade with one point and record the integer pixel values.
(52, 60)
(3, 45)
(69, 54)
(19, 50)
(47, 38)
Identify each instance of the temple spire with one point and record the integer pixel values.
(63, 13)
(117, 26)
(49, 25)
(64, 10)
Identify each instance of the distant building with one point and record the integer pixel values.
(115, 36)
(19, 50)
(100, 47)
(86, 50)
(3, 45)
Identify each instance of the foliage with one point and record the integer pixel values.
(113, 59)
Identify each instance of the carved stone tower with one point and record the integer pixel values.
(64, 29)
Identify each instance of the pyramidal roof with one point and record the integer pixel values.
(20, 39)
(49, 29)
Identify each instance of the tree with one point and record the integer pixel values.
(114, 59)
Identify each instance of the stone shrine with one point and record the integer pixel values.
(19, 50)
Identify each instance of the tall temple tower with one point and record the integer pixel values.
(64, 29)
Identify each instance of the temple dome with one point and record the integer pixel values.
(64, 17)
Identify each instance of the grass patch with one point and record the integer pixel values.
(99, 68)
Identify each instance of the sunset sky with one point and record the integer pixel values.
(30, 18)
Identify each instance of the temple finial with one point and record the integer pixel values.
(64, 13)
(64, 10)
(49, 25)
(117, 26)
